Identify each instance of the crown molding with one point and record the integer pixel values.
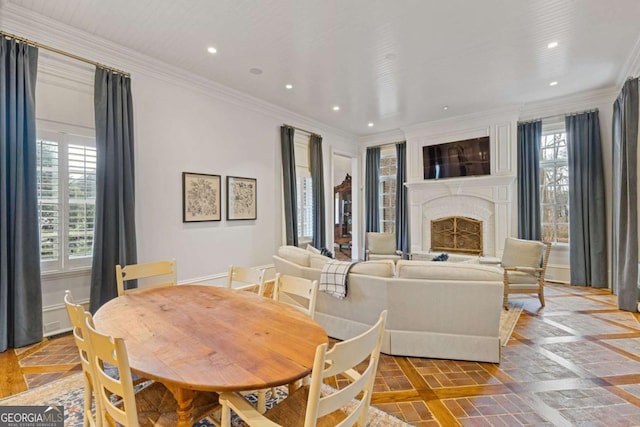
(568, 104)
(32, 25)
(631, 66)
(387, 137)
(472, 120)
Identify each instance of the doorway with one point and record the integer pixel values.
(343, 207)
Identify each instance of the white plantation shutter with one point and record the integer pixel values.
(81, 190)
(48, 200)
(304, 187)
(66, 199)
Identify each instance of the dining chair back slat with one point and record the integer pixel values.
(250, 279)
(298, 292)
(153, 274)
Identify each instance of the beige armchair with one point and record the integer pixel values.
(524, 263)
(381, 246)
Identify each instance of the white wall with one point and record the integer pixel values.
(182, 124)
(504, 124)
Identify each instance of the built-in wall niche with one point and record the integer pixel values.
(469, 157)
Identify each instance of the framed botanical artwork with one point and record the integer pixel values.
(201, 197)
(242, 198)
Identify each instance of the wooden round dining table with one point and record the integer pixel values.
(203, 338)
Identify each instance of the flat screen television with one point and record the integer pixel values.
(468, 157)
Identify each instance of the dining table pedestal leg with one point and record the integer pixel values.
(184, 398)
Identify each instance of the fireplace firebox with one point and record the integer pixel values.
(457, 234)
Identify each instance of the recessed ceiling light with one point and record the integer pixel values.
(370, 125)
(255, 71)
(288, 86)
(552, 45)
(553, 83)
(212, 49)
(336, 108)
(446, 107)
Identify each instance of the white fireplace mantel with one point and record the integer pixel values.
(487, 198)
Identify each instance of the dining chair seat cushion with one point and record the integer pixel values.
(291, 411)
(157, 407)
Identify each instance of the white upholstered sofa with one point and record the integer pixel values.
(435, 309)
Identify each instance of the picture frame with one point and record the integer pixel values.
(201, 200)
(242, 198)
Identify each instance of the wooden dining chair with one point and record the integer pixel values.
(311, 405)
(251, 279)
(76, 316)
(120, 405)
(152, 274)
(297, 292)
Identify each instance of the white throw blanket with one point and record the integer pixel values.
(333, 278)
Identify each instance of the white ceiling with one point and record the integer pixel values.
(391, 62)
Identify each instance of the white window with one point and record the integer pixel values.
(304, 187)
(66, 168)
(554, 186)
(387, 189)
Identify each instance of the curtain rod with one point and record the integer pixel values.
(557, 116)
(302, 130)
(385, 144)
(61, 52)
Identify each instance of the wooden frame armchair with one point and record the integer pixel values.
(381, 246)
(161, 273)
(524, 264)
(308, 406)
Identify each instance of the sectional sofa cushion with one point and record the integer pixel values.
(295, 254)
(380, 268)
(318, 261)
(313, 249)
(434, 270)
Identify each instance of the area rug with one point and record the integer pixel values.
(69, 392)
(508, 320)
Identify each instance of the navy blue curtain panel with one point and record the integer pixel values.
(289, 185)
(317, 177)
(587, 204)
(402, 201)
(372, 191)
(625, 197)
(114, 229)
(529, 217)
(20, 290)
